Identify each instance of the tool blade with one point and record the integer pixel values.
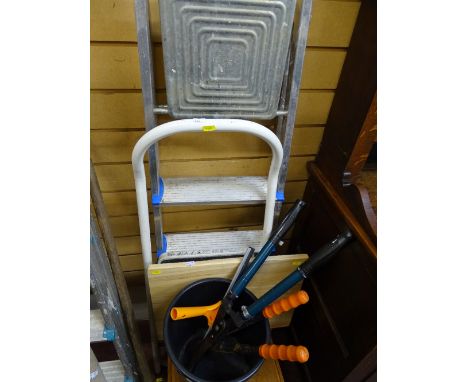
(245, 261)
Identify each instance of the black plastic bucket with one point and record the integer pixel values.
(182, 336)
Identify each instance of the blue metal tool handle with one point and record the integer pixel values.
(268, 248)
(303, 271)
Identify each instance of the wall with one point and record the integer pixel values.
(117, 123)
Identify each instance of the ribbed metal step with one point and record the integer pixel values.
(206, 245)
(113, 371)
(215, 190)
(96, 326)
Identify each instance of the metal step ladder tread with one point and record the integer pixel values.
(207, 245)
(113, 371)
(215, 190)
(96, 326)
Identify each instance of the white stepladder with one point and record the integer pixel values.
(219, 190)
(227, 61)
(222, 59)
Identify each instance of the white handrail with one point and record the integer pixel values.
(209, 126)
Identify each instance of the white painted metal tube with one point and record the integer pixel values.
(207, 126)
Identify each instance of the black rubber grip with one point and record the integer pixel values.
(324, 254)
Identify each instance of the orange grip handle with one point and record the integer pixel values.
(285, 304)
(210, 312)
(284, 353)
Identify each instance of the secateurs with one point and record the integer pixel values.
(223, 320)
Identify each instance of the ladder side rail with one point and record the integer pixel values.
(120, 283)
(145, 56)
(103, 286)
(198, 125)
(281, 119)
(298, 46)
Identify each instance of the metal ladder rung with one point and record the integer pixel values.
(113, 371)
(206, 245)
(215, 190)
(96, 326)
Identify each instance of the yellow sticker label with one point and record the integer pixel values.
(155, 272)
(297, 262)
(209, 128)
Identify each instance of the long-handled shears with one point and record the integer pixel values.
(222, 319)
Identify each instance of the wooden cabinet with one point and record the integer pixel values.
(339, 324)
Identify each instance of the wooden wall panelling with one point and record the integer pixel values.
(131, 262)
(108, 147)
(116, 110)
(134, 277)
(114, 177)
(115, 66)
(197, 220)
(313, 106)
(194, 220)
(332, 23)
(117, 146)
(322, 68)
(122, 109)
(129, 245)
(113, 20)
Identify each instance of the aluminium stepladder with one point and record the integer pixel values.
(230, 42)
(220, 56)
(106, 319)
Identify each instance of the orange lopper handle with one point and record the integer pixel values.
(284, 353)
(209, 312)
(285, 304)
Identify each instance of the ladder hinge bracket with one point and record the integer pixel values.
(109, 334)
(157, 198)
(159, 252)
